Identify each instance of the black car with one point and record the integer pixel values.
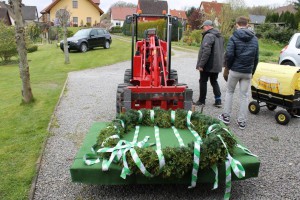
(85, 39)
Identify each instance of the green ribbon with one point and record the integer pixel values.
(159, 153)
(140, 116)
(197, 151)
(235, 165)
(152, 115)
(176, 133)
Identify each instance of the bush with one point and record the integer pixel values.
(32, 48)
(34, 31)
(8, 46)
(279, 34)
(116, 29)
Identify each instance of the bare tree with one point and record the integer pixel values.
(63, 17)
(22, 51)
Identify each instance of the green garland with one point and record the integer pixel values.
(179, 160)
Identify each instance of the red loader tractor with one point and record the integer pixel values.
(151, 82)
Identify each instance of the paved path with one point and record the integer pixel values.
(90, 96)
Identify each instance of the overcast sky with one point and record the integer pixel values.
(173, 4)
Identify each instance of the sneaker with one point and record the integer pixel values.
(198, 103)
(242, 125)
(218, 104)
(224, 118)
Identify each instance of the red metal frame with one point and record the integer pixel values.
(150, 77)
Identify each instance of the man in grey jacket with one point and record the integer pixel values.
(210, 61)
(242, 59)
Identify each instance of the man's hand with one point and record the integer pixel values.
(200, 69)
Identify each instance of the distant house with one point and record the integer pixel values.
(82, 13)
(290, 8)
(180, 14)
(4, 16)
(255, 20)
(118, 14)
(212, 10)
(30, 13)
(152, 7)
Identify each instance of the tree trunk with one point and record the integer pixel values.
(66, 50)
(22, 51)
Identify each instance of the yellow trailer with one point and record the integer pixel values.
(276, 86)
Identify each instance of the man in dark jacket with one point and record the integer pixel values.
(210, 61)
(242, 59)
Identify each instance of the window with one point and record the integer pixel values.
(94, 32)
(89, 20)
(100, 32)
(298, 43)
(118, 23)
(75, 20)
(75, 3)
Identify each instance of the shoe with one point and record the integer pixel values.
(218, 104)
(224, 118)
(198, 103)
(242, 125)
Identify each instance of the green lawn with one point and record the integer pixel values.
(23, 128)
(268, 50)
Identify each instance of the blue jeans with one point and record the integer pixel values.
(213, 77)
(244, 84)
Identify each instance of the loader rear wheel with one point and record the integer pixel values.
(282, 117)
(254, 107)
(127, 76)
(120, 97)
(174, 75)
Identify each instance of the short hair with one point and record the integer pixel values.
(242, 21)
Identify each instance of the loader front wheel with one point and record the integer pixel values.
(254, 107)
(127, 76)
(120, 97)
(283, 117)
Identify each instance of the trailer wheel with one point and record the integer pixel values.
(127, 76)
(293, 112)
(283, 117)
(271, 107)
(254, 107)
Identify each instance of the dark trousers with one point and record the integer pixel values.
(213, 77)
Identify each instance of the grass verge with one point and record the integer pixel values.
(23, 128)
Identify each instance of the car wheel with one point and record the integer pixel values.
(83, 47)
(288, 63)
(106, 45)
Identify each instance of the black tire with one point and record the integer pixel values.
(254, 107)
(83, 47)
(120, 97)
(290, 63)
(127, 76)
(106, 45)
(293, 112)
(271, 107)
(174, 75)
(283, 117)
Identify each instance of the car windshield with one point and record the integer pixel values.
(83, 32)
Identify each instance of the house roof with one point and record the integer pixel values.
(257, 19)
(209, 7)
(152, 6)
(96, 2)
(48, 8)
(290, 8)
(120, 13)
(29, 12)
(178, 13)
(4, 15)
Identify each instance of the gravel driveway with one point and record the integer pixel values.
(89, 97)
